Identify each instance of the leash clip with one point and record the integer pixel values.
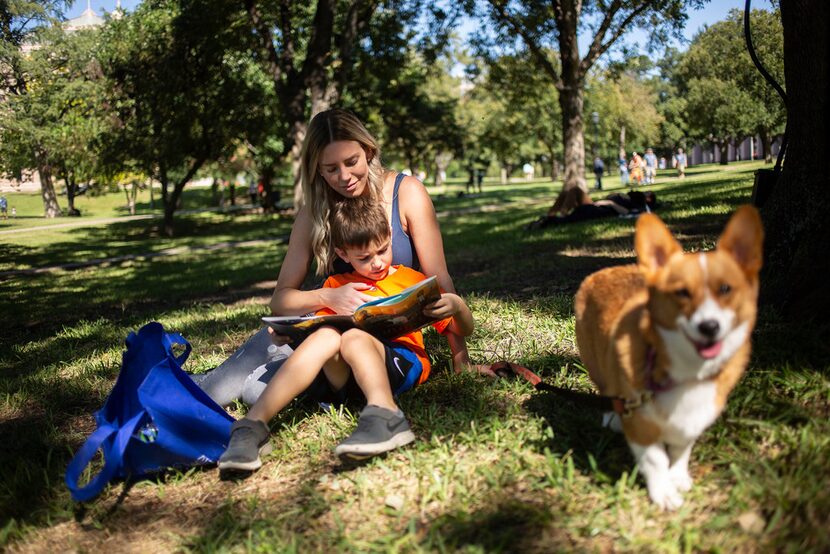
(631, 404)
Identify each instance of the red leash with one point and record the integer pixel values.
(606, 403)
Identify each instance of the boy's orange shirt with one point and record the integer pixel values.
(394, 283)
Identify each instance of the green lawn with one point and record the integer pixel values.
(497, 467)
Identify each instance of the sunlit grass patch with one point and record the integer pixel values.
(497, 466)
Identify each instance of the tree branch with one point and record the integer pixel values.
(500, 10)
(266, 40)
(356, 19)
(598, 48)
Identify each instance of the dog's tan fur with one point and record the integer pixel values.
(663, 303)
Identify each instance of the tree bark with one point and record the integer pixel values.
(171, 200)
(766, 144)
(571, 98)
(622, 140)
(47, 192)
(723, 149)
(795, 216)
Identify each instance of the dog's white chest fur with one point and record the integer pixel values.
(685, 411)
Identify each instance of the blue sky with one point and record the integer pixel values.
(713, 11)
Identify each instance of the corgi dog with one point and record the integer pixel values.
(669, 338)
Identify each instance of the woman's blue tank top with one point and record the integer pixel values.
(403, 250)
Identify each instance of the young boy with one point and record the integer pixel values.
(353, 359)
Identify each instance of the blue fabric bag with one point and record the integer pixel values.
(156, 417)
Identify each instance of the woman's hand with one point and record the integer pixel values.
(279, 340)
(346, 299)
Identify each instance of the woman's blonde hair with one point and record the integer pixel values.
(327, 127)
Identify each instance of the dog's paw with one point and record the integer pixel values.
(681, 479)
(665, 495)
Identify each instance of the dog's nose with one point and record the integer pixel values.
(709, 328)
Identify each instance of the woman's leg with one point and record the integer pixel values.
(226, 383)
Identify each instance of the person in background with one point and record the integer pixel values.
(599, 168)
(636, 168)
(650, 161)
(679, 163)
(623, 164)
(4, 207)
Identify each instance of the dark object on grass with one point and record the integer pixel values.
(632, 203)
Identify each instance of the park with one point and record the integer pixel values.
(149, 210)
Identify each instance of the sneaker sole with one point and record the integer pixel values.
(264, 450)
(363, 451)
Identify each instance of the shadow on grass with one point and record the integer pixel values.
(506, 525)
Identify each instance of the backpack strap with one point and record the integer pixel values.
(113, 458)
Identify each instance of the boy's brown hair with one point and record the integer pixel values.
(358, 222)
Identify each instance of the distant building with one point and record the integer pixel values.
(86, 20)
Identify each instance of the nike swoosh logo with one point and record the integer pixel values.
(397, 366)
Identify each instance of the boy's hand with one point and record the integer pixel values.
(447, 306)
(452, 305)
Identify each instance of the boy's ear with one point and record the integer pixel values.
(743, 239)
(341, 254)
(654, 244)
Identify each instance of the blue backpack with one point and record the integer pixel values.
(156, 417)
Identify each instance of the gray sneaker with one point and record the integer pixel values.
(378, 430)
(249, 441)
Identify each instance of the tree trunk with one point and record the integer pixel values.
(766, 144)
(266, 175)
(554, 167)
(570, 100)
(47, 192)
(571, 96)
(723, 148)
(795, 216)
(622, 140)
(171, 200)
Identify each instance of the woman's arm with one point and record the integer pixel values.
(420, 222)
(288, 299)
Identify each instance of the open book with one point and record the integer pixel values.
(385, 318)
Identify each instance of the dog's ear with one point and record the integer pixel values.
(743, 239)
(654, 245)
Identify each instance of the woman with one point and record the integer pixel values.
(340, 161)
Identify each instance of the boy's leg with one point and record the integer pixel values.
(249, 436)
(297, 373)
(382, 426)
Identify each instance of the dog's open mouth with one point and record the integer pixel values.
(708, 350)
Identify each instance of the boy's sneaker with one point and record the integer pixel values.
(249, 441)
(378, 430)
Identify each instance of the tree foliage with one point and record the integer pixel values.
(727, 98)
(545, 29)
(22, 23)
(181, 89)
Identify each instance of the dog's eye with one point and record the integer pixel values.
(682, 294)
(724, 289)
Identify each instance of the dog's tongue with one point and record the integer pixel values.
(708, 351)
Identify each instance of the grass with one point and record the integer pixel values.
(497, 467)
